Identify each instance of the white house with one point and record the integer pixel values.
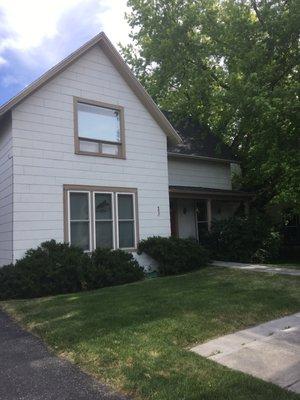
(87, 157)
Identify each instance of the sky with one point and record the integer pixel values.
(37, 34)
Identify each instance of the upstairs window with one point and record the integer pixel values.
(99, 129)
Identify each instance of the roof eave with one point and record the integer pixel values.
(204, 158)
(50, 74)
(207, 192)
(140, 91)
(122, 68)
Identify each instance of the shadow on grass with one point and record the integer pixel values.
(226, 300)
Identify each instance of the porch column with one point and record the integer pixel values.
(246, 208)
(208, 205)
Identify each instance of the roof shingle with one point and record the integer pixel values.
(199, 141)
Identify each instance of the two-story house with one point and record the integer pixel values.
(86, 157)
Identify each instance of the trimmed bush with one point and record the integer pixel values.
(243, 239)
(173, 255)
(52, 268)
(56, 268)
(112, 267)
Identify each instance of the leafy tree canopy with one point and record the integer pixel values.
(234, 66)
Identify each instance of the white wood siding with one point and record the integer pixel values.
(6, 191)
(199, 173)
(44, 158)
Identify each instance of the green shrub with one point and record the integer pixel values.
(56, 268)
(173, 255)
(112, 267)
(243, 239)
(52, 268)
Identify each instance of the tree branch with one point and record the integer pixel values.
(259, 17)
(215, 78)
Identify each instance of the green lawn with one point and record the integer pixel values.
(136, 337)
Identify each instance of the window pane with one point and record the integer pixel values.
(80, 235)
(92, 147)
(110, 149)
(125, 206)
(201, 211)
(100, 123)
(79, 206)
(103, 206)
(104, 234)
(126, 234)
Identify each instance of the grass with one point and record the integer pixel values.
(136, 337)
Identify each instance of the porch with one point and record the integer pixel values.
(192, 209)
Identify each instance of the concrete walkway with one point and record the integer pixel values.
(258, 268)
(28, 371)
(270, 351)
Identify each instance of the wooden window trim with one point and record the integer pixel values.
(77, 139)
(101, 189)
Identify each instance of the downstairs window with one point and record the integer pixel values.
(101, 217)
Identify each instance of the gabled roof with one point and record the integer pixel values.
(115, 58)
(199, 141)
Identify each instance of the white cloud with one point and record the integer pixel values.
(30, 22)
(113, 22)
(26, 26)
(3, 61)
(9, 80)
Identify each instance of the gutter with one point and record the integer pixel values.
(195, 157)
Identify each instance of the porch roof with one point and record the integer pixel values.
(202, 192)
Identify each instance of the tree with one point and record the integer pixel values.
(234, 66)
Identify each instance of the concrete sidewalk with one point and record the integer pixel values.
(28, 371)
(270, 351)
(257, 267)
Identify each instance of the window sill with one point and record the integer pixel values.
(128, 250)
(87, 153)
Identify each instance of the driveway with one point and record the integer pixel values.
(29, 371)
(270, 351)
